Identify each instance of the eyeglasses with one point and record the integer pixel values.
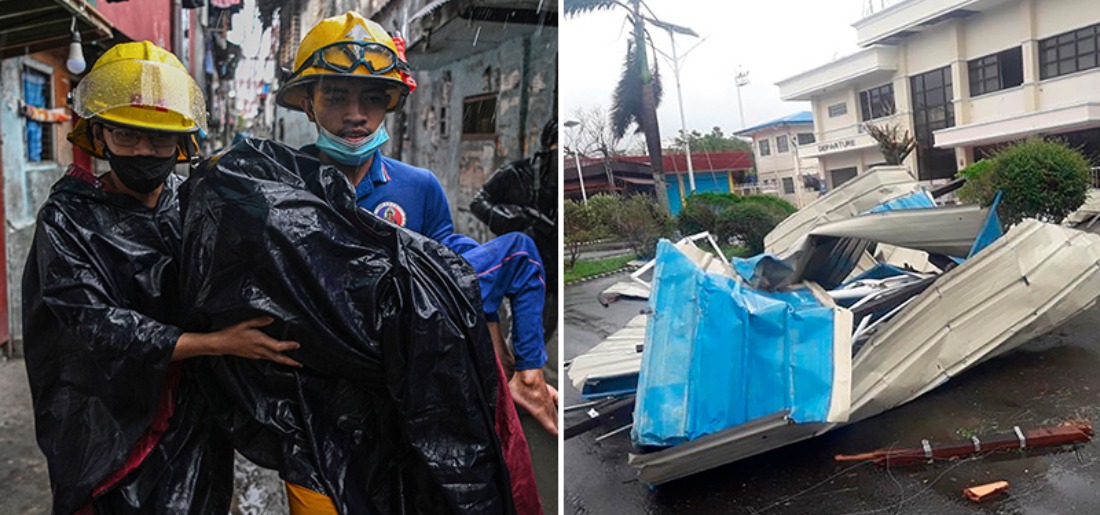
(128, 138)
(346, 56)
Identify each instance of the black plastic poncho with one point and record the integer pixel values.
(100, 315)
(393, 410)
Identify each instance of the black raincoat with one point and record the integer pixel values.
(100, 320)
(393, 410)
(522, 196)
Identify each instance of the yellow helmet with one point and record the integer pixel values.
(142, 86)
(348, 46)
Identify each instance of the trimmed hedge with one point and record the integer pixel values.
(1041, 179)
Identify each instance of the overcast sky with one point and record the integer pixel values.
(772, 39)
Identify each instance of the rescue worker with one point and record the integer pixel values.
(522, 196)
(121, 430)
(348, 73)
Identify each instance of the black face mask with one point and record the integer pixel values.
(143, 174)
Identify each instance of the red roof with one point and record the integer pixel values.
(677, 163)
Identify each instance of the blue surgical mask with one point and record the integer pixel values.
(347, 153)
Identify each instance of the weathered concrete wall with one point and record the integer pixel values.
(523, 74)
(293, 128)
(26, 185)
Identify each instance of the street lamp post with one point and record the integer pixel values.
(675, 60)
(573, 124)
(742, 79)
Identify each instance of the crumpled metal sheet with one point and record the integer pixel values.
(856, 196)
(393, 410)
(720, 354)
(619, 357)
(1031, 280)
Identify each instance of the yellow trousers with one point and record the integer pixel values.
(303, 501)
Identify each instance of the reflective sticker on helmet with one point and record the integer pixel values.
(358, 34)
(391, 212)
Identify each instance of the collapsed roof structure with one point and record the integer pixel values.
(865, 300)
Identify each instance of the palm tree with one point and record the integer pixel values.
(639, 90)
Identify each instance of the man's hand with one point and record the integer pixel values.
(530, 392)
(243, 339)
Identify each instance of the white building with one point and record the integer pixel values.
(781, 169)
(964, 76)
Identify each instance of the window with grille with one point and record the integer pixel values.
(479, 116)
(39, 136)
(1070, 52)
(805, 138)
(876, 102)
(782, 146)
(788, 186)
(765, 147)
(996, 72)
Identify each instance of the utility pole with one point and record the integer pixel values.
(742, 79)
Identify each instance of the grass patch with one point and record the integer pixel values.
(732, 251)
(589, 267)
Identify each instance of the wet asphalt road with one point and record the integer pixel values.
(1051, 379)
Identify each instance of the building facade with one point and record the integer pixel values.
(718, 172)
(963, 77)
(781, 169)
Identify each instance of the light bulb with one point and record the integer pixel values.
(76, 63)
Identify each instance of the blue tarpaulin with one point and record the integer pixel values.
(719, 354)
(917, 200)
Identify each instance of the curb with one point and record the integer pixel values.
(625, 269)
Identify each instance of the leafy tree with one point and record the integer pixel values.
(641, 222)
(1042, 179)
(715, 141)
(581, 226)
(638, 91)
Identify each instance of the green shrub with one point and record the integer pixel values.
(732, 217)
(640, 221)
(779, 205)
(603, 206)
(581, 226)
(979, 182)
(636, 219)
(1040, 179)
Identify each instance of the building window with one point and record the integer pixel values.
(805, 138)
(876, 102)
(1069, 52)
(781, 145)
(443, 122)
(996, 72)
(38, 93)
(840, 109)
(479, 116)
(788, 186)
(765, 147)
(933, 109)
(842, 175)
(291, 34)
